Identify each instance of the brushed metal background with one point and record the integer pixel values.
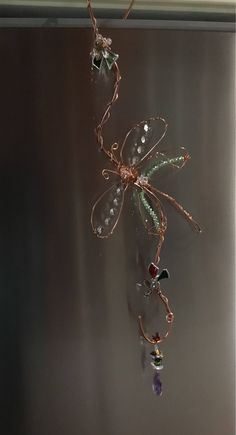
(70, 351)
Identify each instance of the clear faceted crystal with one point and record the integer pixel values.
(105, 54)
(157, 385)
(157, 367)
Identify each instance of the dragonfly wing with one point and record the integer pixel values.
(179, 208)
(107, 209)
(141, 141)
(151, 211)
(165, 162)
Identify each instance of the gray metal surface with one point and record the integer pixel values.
(70, 351)
(166, 23)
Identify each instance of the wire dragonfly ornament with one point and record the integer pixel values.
(134, 164)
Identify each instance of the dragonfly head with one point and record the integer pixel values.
(128, 174)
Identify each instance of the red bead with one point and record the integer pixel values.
(170, 317)
(153, 270)
(156, 337)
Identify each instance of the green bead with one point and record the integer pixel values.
(156, 168)
(150, 210)
(158, 362)
(110, 58)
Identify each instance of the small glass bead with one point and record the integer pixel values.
(170, 317)
(153, 285)
(135, 160)
(157, 367)
(115, 201)
(112, 212)
(107, 221)
(143, 140)
(140, 150)
(146, 128)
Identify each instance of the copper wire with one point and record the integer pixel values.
(117, 77)
(106, 115)
(179, 208)
(93, 19)
(156, 338)
(128, 10)
(161, 233)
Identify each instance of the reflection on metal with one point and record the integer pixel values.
(140, 5)
(219, 26)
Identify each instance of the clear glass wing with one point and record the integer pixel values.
(107, 209)
(141, 141)
(165, 162)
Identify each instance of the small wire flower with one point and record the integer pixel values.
(153, 284)
(101, 54)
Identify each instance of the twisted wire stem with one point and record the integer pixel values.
(117, 78)
(106, 115)
(94, 20)
(158, 248)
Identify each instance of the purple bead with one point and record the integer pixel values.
(157, 385)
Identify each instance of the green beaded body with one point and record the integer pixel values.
(176, 162)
